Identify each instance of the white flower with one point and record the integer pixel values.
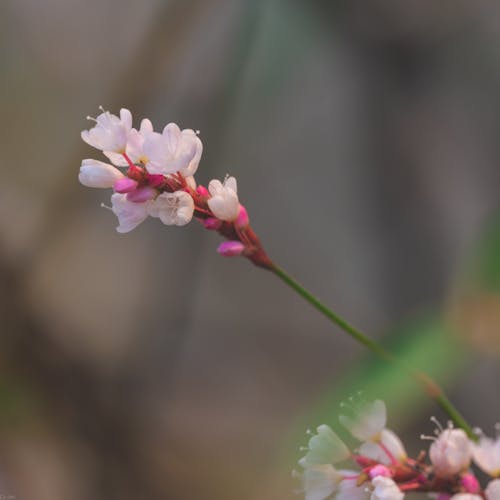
(320, 481)
(96, 174)
(486, 454)
(224, 201)
(172, 151)
(173, 209)
(451, 452)
(129, 214)
(349, 490)
(492, 491)
(386, 445)
(385, 489)
(470, 496)
(134, 147)
(110, 133)
(367, 422)
(325, 447)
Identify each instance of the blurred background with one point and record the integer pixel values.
(364, 135)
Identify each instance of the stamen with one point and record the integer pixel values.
(106, 206)
(437, 423)
(423, 437)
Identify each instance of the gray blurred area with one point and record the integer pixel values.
(364, 135)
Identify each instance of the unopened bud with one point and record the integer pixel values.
(202, 191)
(470, 483)
(231, 248)
(125, 185)
(142, 194)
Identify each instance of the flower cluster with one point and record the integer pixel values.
(384, 471)
(152, 174)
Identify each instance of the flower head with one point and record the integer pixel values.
(224, 201)
(110, 132)
(451, 452)
(129, 214)
(173, 209)
(174, 150)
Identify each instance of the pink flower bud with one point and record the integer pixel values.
(202, 191)
(231, 248)
(470, 483)
(212, 223)
(242, 219)
(125, 185)
(142, 194)
(379, 470)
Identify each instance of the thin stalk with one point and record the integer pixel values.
(430, 387)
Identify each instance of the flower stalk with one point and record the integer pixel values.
(430, 387)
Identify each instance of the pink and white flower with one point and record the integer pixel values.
(224, 201)
(451, 452)
(173, 209)
(174, 150)
(129, 213)
(110, 132)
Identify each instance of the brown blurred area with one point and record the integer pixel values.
(364, 135)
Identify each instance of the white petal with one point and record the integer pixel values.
(325, 447)
(492, 491)
(486, 454)
(368, 422)
(126, 117)
(172, 134)
(385, 489)
(230, 183)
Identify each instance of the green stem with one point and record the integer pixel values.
(430, 386)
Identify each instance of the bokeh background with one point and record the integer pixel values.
(365, 138)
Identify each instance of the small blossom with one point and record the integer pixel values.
(385, 489)
(486, 454)
(224, 201)
(325, 447)
(172, 151)
(173, 209)
(110, 133)
(492, 491)
(320, 481)
(129, 214)
(451, 452)
(96, 174)
(367, 422)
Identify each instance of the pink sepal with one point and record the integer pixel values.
(470, 483)
(202, 191)
(212, 223)
(242, 220)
